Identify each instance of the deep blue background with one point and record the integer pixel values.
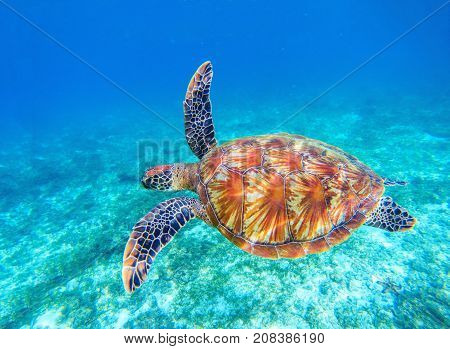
(263, 49)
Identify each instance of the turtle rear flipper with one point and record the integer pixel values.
(152, 233)
(390, 216)
(198, 122)
(389, 182)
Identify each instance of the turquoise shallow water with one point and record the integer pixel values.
(68, 203)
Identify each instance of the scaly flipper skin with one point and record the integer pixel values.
(198, 123)
(388, 182)
(152, 233)
(390, 216)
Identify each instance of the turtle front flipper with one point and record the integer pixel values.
(152, 233)
(198, 123)
(390, 216)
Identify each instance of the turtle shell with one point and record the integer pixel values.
(285, 196)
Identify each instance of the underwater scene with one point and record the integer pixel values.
(92, 95)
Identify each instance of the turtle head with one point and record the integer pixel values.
(170, 177)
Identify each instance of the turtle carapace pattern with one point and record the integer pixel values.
(274, 196)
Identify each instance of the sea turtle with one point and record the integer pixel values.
(274, 196)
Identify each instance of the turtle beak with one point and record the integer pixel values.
(144, 183)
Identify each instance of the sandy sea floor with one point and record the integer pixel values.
(69, 201)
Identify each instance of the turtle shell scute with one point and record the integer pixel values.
(285, 196)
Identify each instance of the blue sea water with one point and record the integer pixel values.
(91, 94)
